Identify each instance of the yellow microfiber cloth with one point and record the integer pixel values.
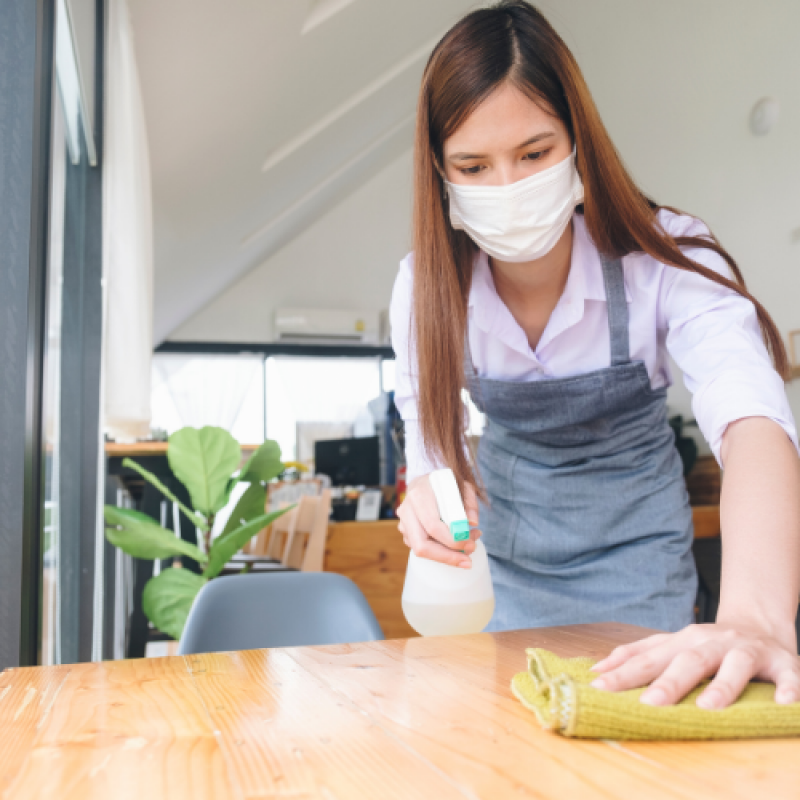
(557, 690)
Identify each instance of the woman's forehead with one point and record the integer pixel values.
(505, 119)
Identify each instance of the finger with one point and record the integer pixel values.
(423, 502)
(471, 504)
(438, 552)
(639, 669)
(784, 672)
(402, 529)
(425, 547)
(683, 673)
(787, 684)
(619, 655)
(734, 673)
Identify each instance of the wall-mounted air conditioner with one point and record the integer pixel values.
(322, 326)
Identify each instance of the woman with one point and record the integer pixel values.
(549, 286)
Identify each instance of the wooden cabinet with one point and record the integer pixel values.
(374, 556)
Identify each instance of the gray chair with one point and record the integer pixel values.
(285, 609)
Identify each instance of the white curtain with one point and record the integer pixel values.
(127, 238)
(203, 390)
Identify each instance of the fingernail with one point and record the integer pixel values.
(466, 564)
(598, 683)
(598, 665)
(709, 700)
(654, 697)
(786, 696)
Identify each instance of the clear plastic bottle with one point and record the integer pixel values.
(438, 599)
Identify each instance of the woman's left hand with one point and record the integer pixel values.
(675, 663)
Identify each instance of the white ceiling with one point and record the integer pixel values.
(261, 116)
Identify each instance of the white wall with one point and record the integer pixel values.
(346, 260)
(675, 83)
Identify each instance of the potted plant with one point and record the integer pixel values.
(206, 461)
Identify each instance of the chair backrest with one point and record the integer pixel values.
(305, 542)
(271, 542)
(279, 609)
(297, 539)
(259, 544)
(279, 534)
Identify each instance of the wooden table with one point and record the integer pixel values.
(417, 718)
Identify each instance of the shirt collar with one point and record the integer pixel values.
(483, 303)
(584, 282)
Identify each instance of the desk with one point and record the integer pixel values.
(418, 718)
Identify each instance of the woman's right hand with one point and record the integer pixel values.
(425, 533)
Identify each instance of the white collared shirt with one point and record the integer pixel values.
(710, 331)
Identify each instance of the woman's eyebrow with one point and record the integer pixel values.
(467, 156)
(534, 139)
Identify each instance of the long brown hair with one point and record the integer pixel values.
(513, 42)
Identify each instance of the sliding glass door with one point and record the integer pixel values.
(70, 435)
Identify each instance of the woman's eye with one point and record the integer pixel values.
(472, 170)
(536, 156)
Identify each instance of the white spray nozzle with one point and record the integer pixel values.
(451, 506)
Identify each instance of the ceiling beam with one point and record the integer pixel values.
(321, 11)
(348, 105)
(328, 180)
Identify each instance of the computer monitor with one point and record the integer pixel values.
(349, 462)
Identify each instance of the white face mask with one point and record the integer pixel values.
(521, 221)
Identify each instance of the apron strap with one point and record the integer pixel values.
(614, 280)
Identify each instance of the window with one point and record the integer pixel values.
(295, 400)
(319, 398)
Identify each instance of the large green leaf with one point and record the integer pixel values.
(142, 537)
(251, 505)
(223, 549)
(203, 460)
(167, 599)
(198, 520)
(264, 465)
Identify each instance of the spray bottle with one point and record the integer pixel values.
(438, 599)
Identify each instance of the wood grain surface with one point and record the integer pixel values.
(403, 719)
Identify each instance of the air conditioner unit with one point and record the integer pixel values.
(323, 326)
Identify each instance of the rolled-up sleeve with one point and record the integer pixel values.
(714, 336)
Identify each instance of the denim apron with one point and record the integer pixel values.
(588, 518)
